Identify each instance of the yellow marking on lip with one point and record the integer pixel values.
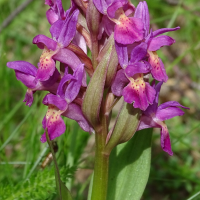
(154, 60)
(53, 113)
(138, 83)
(45, 58)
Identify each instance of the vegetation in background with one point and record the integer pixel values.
(21, 152)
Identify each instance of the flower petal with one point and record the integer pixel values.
(152, 109)
(44, 121)
(46, 69)
(114, 7)
(122, 54)
(101, 6)
(165, 140)
(142, 12)
(138, 67)
(57, 101)
(157, 67)
(28, 80)
(140, 93)
(63, 84)
(164, 30)
(51, 16)
(28, 97)
(147, 122)
(169, 104)
(55, 128)
(75, 84)
(129, 9)
(42, 40)
(119, 83)
(160, 41)
(60, 9)
(150, 93)
(80, 41)
(56, 29)
(108, 25)
(52, 79)
(23, 66)
(168, 113)
(129, 30)
(69, 29)
(68, 57)
(138, 53)
(130, 95)
(74, 112)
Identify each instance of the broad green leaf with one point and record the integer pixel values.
(129, 167)
(63, 192)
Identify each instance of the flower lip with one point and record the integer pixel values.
(129, 30)
(139, 92)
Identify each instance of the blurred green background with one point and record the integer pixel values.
(21, 152)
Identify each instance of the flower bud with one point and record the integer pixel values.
(93, 18)
(94, 93)
(125, 127)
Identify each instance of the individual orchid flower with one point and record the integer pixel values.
(138, 92)
(62, 33)
(155, 116)
(26, 73)
(70, 85)
(57, 13)
(108, 25)
(154, 42)
(127, 29)
(52, 120)
(64, 104)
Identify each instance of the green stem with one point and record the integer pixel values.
(57, 175)
(100, 180)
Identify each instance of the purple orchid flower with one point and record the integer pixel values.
(127, 29)
(154, 116)
(26, 73)
(108, 25)
(70, 85)
(55, 125)
(64, 104)
(56, 12)
(138, 92)
(62, 33)
(52, 120)
(154, 43)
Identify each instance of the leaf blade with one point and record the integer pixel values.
(129, 167)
